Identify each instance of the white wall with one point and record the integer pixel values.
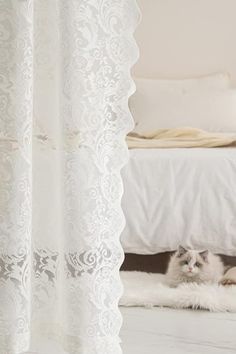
(184, 38)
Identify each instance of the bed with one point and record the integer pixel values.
(178, 195)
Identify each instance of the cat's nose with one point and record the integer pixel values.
(190, 269)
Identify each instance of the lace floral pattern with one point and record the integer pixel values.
(64, 88)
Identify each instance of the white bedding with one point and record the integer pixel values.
(180, 196)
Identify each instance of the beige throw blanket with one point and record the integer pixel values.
(180, 138)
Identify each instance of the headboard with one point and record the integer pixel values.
(186, 38)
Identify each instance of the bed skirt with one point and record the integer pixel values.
(157, 263)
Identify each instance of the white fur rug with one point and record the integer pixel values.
(146, 289)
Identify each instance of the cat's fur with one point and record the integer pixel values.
(194, 266)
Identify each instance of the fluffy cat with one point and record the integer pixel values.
(194, 266)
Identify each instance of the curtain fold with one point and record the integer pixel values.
(64, 88)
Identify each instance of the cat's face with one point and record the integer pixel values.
(191, 262)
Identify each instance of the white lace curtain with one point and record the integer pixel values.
(64, 88)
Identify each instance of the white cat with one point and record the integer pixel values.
(194, 266)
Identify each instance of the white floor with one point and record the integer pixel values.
(167, 331)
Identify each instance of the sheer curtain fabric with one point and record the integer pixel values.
(64, 88)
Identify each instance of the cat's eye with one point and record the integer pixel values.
(197, 264)
(185, 262)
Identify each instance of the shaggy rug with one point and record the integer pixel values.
(148, 290)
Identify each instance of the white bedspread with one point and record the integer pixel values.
(180, 196)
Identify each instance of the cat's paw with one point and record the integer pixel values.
(229, 277)
(227, 281)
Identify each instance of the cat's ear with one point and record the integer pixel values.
(181, 250)
(204, 255)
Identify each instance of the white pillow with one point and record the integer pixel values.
(211, 110)
(214, 81)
